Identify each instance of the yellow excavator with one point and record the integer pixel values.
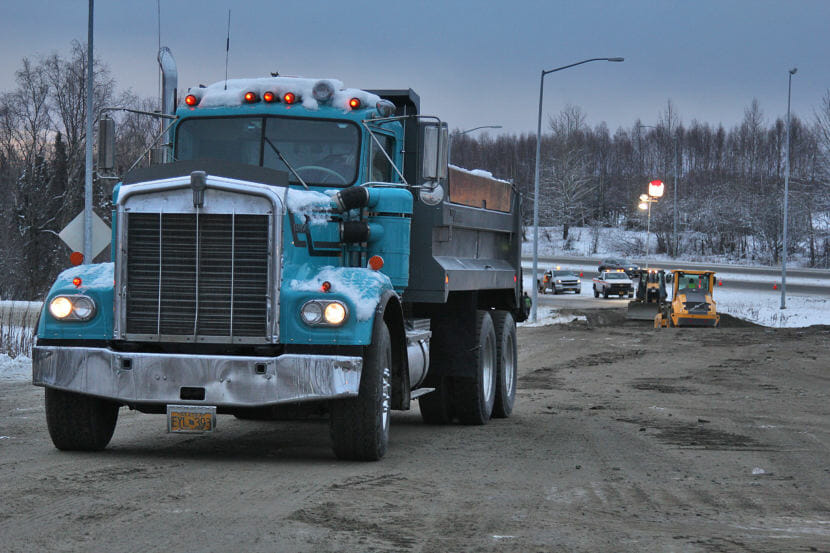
(691, 301)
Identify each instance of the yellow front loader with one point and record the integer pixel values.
(691, 301)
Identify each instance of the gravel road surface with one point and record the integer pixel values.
(624, 438)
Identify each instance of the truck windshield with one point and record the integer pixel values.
(323, 152)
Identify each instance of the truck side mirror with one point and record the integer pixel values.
(434, 148)
(106, 144)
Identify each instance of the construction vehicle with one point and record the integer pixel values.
(650, 295)
(309, 245)
(691, 302)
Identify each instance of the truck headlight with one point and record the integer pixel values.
(324, 313)
(335, 313)
(72, 308)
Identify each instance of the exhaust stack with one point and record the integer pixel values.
(169, 83)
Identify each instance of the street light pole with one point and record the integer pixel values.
(674, 198)
(88, 158)
(449, 147)
(534, 294)
(786, 193)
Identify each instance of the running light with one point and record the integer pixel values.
(77, 282)
(191, 100)
(354, 103)
(251, 97)
(376, 263)
(289, 98)
(326, 286)
(269, 97)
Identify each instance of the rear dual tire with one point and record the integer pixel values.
(491, 391)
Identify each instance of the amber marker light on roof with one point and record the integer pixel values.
(251, 97)
(269, 97)
(289, 98)
(191, 100)
(354, 103)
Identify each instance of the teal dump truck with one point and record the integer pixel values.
(305, 248)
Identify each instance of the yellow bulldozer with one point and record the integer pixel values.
(691, 301)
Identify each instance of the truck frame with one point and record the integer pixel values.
(307, 249)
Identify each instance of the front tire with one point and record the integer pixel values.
(474, 397)
(359, 426)
(507, 362)
(78, 422)
(596, 293)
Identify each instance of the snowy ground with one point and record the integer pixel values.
(762, 308)
(617, 242)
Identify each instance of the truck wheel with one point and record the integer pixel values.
(506, 362)
(596, 294)
(605, 294)
(473, 397)
(436, 406)
(359, 426)
(78, 422)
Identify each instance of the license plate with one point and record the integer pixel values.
(191, 418)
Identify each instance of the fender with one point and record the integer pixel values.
(96, 282)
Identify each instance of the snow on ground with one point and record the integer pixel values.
(19, 368)
(763, 308)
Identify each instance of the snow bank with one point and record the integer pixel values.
(546, 316)
(765, 308)
(18, 368)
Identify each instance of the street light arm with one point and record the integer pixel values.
(534, 288)
(481, 127)
(580, 63)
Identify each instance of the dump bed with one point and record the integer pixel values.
(469, 241)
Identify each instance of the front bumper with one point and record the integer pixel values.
(227, 381)
(566, 287)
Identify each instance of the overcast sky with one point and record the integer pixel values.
(472, 62)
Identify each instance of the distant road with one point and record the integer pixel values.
(799, 281)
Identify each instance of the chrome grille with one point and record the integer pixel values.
(202, 275)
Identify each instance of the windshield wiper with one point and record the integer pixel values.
(282, 158)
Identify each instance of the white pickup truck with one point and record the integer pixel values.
(613, 283)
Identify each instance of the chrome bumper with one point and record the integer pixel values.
(228, 381)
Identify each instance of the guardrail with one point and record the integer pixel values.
(17, 327)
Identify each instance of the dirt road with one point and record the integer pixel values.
(624, 439)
